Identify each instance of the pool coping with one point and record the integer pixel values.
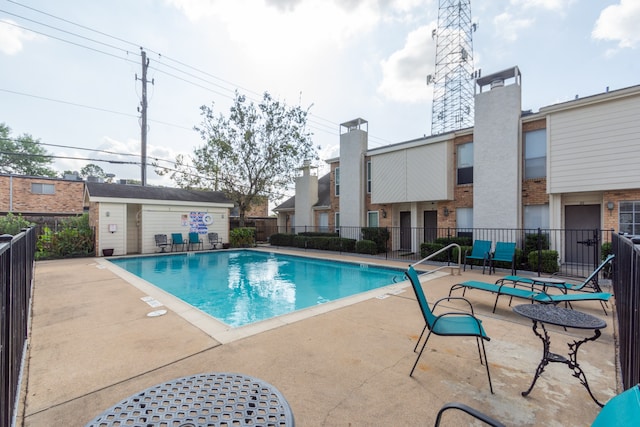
(223, 333)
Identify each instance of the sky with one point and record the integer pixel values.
(70, 70)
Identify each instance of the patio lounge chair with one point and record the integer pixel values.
(214, 240)
(454, 324)
(161, 242)
(529, 294)
(505, 252)
(177, 240)
(480, 251)
(622, 410)
(194, 239)
(590, 282)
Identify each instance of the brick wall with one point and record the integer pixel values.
(16, 196)
(610, 218)
(534, 192)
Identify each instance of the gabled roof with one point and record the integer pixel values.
(324, 195)
(97, 191)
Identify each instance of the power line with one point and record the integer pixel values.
(66, 41)
(75, 104)
(64, 31)
(329, 127)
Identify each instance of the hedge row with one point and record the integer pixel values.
(319, 241)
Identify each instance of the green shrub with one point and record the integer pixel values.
(73, 239)
(548, 262)
(462, 241)
(366, 247)
(281, 239)
(324, 243)
(13, 224)
(427, 249)
(318, 234)
(243, 237)
(380, 236)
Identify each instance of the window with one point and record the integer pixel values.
(43, 189)
(337, 187)
(369, 177)
(536, 216)
(337, 220)
(630, 217)
(465, 163)
(535, 154)
(372, 219)
(323, 222)
(464, 222)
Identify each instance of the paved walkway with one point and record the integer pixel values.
(92, 344)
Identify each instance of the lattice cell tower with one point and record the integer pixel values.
(453, 81)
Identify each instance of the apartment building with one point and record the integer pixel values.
(571, 165)
(33, 196)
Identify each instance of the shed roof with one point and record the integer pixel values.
(101, 190)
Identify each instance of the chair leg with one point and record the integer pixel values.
(419, 338)
(604, 308)
(486, 364)
(420, 354)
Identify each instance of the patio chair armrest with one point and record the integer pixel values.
(453, 298)
(469, 410)
(458, 314)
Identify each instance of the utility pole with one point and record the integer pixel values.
(143, 113)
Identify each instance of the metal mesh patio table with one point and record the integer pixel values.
(212, 399)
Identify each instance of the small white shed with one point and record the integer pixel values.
(127, 217)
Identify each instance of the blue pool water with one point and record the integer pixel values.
(242, 287)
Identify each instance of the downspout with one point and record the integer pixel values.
(10, 193)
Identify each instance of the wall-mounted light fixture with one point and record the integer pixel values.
(446, 211)
(384, 213)
(610, 206)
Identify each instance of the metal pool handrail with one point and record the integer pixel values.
(451, 245)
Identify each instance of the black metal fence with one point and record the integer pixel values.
(626, 288)
(579, 251)
(16, 276)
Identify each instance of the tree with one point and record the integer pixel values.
(23, 155)
(92, 170)
(251, 155)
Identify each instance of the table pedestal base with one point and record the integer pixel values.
(572, 362)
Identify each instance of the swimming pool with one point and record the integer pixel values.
(242, 287)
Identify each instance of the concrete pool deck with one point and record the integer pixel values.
(92, 345)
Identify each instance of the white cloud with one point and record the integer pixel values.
(508, 27)
(619, 23)
(554, 5)
(12, 38)
(295, 27)
(405, 71)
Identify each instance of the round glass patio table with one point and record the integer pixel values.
(212, 399)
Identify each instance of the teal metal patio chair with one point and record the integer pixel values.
(504, 252)
(452, 324)
(177, 240)
(481, 250)
(622, 410)
(194, 239)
